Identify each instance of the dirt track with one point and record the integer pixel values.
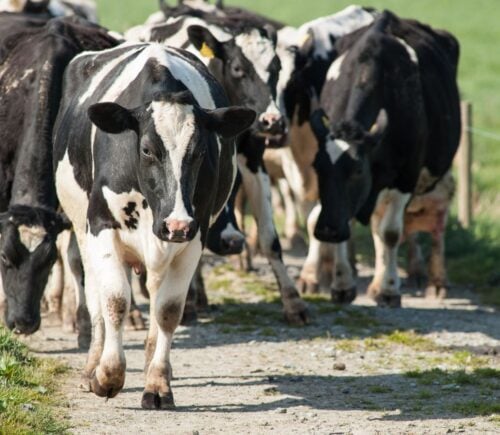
(241, 370)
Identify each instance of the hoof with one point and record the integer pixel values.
(343, 297)
(307, 287)
(84, 384)
(109, 390)
(435, 292)
(83, 339)
(298, 314)
(388, 300)
(151, 400)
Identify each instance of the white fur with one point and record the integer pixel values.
(411, 52)
(334, 70)
(258, 50)
(175, 124)
(31, 237)
(335, 148)
(346, 21)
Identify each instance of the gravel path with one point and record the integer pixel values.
(363, 369)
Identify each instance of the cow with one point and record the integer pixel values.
(144, 162)
(52, 8)
(241, 54)
(388, 130)
(33, 54)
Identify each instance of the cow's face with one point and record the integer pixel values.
(27, 253)
(249, 72)
(173, 134)
(344, 173)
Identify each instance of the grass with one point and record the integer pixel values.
(27, 394)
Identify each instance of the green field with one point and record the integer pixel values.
(474, 255)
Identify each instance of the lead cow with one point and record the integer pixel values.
(144, 162)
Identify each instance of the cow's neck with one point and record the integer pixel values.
(34, 180)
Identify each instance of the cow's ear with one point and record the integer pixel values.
(228, 122)
(206, 43)
(320, 125)
(271, 34)
(379, 127)
(112, 118)
(306, 45)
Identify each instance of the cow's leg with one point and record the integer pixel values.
(134, 320)
(437, 286)
(190, 309)
(106, 280)
(53, 293)
(344, 285)
(309, 280)
(257, 187)
(387, 228)
(291, 230)
(169, 306)
(416, 272)
(72, 260)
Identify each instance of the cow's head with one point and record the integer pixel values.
(344, 172)
(27, 253)
(173, 134)
(249, 71)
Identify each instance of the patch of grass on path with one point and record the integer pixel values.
(27, 393)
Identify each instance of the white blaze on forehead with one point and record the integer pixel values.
(31, 237)
(411, 52)
(334, 70)
(175, 124)
(258, 50)
(335, 148)
(346, 21)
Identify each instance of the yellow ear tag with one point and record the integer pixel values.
(304, 39)
(206, 51)
(326, 121)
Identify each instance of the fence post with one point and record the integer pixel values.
(464, 163)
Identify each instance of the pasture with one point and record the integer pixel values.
(430, 367)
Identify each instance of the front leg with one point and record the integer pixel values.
(170, 300)
(258, 189)
(387, 228)
(438, 281)
(108, 290)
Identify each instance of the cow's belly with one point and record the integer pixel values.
(72, 197)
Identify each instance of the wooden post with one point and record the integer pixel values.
(464, 166)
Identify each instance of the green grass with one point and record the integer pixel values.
(473, 255)
(27, 394)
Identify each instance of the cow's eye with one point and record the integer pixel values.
(147, 153)
(237, 71)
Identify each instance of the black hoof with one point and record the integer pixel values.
(152, 400)
(391, 301)
(343, 297)
(104, 391)
(299, 316)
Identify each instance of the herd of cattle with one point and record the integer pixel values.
(133, 153)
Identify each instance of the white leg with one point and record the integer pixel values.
(309, 273)
(169, 306)
(106, 284)
(387, 228)
(344, 284)
(257, 187)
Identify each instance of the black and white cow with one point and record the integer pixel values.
(241, 55)
(392, 101)
(142, 180)
(33, 59)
